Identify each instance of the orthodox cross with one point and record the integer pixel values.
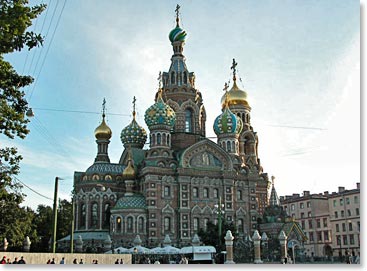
(225, 86)
(134, 101)
(272, 179)
(233, 67)
(103, 107)
(177, 10)
(160, 79)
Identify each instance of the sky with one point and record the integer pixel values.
(299, 62)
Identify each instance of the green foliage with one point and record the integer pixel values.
(210, 236)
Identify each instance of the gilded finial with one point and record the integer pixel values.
(226, 86)
(177, 10)
(134, 103)
(233, 67)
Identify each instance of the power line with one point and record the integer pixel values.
(78, 111)
(297, 127)
(34, 191)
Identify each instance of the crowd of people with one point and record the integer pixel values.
(9, 261)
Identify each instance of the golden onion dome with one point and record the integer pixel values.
(129, 171)
(103, 131)
(235, 96)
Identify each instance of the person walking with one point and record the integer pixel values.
(15, 261)
(121, 261)
(53, 261)
(62, 260)
(21, 261)
(358, 258)
(75, 261)
(117, 261)
(3, 261)
(81, 261)
(49, 261)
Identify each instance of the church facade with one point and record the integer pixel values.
(173, 186)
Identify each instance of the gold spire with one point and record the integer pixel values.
(129, 171)
(103, 132)
(177, 10)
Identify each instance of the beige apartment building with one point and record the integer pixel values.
(331, 221)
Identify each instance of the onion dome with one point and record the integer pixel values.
(134, 134)
(227, 123)
(236, 96)
(160, 113)
(129, 171)
(177, 34)
(103, 132)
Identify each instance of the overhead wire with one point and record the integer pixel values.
(30, 188)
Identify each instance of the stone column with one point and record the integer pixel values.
(79, 244)
(229, 247)
(283, 245)
(26, 244)
(256, 238)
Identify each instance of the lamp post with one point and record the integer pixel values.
(219, 211)
(72, 222)
(54, 223)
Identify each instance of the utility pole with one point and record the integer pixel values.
(54, 224)
(72, 223)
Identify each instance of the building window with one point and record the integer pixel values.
(129, 224)
(152, 202)
(82, 216)
(206, 221)
(337, 227)
(338, 240)
(167, 191)
(324, 222)
(303, 224)
(357, 211)
(106, 216)
(196, 224)
(167, 224)
(240, 225)
(318, 223)
(141, 224)
(239, 195)
(292, 207)
(159, 139)
(118, 224)
(347, 201)
(342, 213)
(302, 215)
(311, 236)
(356, 199)
(310, 224)
(336, 214)
(350, 226)
(195, 192)
(215, 193)
(349, 213)
(341, 202)
(94, 215)
(302, 205)
(326, 236)
(188, 121)
(345, 240)
(351, 239)
(206, 192)
(308, 204)
(319, 236)
(334, 202)
(343, 227)
(309, 214)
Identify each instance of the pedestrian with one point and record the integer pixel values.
(49, 261)
(81, 261)
(96, 262)
(53, 261)
(21, 261)
(8, 261)
(358, 259)
(3, 261)
(121, 261)
(117, 261)
(75, 261)
(15, 261)
(62, 260)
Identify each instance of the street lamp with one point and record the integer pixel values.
(54, 224)
(219, 211)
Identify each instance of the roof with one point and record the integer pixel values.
(105, 168)
(288, 227)
(136, 201)
(88, 235)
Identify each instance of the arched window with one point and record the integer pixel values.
(223, 145)
(130, 224)
(195, 192)
(240, 225)
(107, 216)
(82, 216)
(118, 224)
(167, 224)
(228, 146)
(239, 195)
(206, 192)
(172, 77)
(164, 140)
(141, 224)
(168, 140)
(196, 224)
(215, 193)
(94, 216)
(188, 121)
(206, 221)
(185, 77)
(153, 139)
(158, 139)
(233, 147)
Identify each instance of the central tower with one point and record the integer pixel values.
(180, 93)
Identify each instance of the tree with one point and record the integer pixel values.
(15, 18)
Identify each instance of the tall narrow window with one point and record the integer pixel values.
(94, 215)
(195, 192)
(185, 77)
(188, 121)
(129, 224)
(240, 225)
(172, 77)
(159, 139)
(107, 216)
(164, 141)
(215, 193)
(228, 146)
(141, 224)
(82, 216)
(118, 224)
(206, 221)
(196, 224)
(167, 224)
(206, 192)
(239, 195)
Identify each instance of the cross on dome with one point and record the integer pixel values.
(159, 79)
(103, 107)
(233, 67)
(177, 10)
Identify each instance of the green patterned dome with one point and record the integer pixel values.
(160, 113)
(177, 34)
(227, 122)
(134, 134)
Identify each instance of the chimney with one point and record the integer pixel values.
(306, 193)
(288, 197)
(295, 195)
(326, 193)
(358, 185)
(341, 189)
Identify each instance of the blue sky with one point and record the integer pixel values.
(299, 62)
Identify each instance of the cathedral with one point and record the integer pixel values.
(169, 180)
